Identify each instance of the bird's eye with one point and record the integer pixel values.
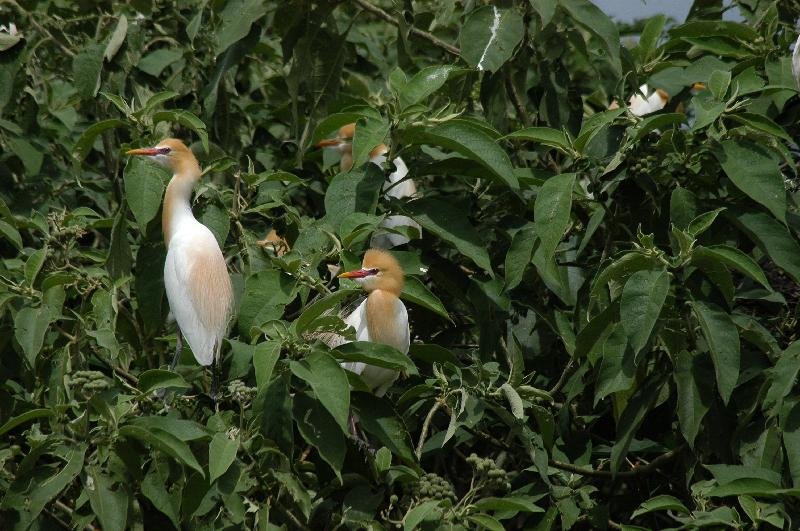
(164, 150)
(374, 271)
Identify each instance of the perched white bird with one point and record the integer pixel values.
(380, 318)
(796, 62)
(195, 274)
(640, 106)
(397, 186)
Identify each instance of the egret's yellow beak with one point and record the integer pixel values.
(143, 151)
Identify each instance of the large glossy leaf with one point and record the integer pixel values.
(467, 139)
(354, 191)
(163, 441)
(723, 342)
(694, 399)
(109, 502)
(489, 37)
(144, 188)
(551, 212)
(329, 382)
(753, 168)
(735, 259)
(221, 454)
(320, 429)
(642, 299)
(774, 239)
(237, 17)
(448, 222)
(592, 19)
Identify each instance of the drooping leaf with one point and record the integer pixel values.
(221, 454)
(723, 342)
(144, 187)
(489, 37)
(329, 382)
(640, 306)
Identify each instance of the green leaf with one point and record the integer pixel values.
(514, 504)
(378, 418)
(34, 264)
(186, 119)
(119, 259)
(703, 222)
(467, 139)
(426, 510)
(154, 379)
(144, 187)
(640, 404)
(762, 123)
(617, 367)
(424, 83)
(86, 141)
(722, 337)
(694, 399)
(183, 429)
(45, 491)
(733, 258)
(30, 156)
(718, 83)
(369, 134)
(31, 324)
(265, 357)
(117, 38)
(447, 221)
(354, 191)
(640, 306)
(416, 292)
(319, 307)
(485, 522)
(543, 135)
(11, 234)
(110, 505)
(218, 221)
(519, 255)
(221, 455)
(86, 68)
(156, 61)
(237, 18)
(163, 441)
(33, 414)
(265, 296)
(551, 212)
(329, 382)
(375, 354)
(648, 39)
(754, 169)
(774, 239)
(659, 121)
(320, 430)
(154, 487)
(593, 20)
(782, 378)
(489, 37)
(620, 270)
(514, 401)
(664, 502)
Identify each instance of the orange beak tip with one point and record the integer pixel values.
(331, 142)
(142, 151)
(358, 273)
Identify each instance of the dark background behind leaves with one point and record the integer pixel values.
(603, 306)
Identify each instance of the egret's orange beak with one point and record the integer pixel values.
(358, 273)
(330, 142)
(143, 151)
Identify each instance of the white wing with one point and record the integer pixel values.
(386, 239)
(198, 289)
(379, 379)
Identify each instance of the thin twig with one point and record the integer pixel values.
(426, 425)
(516, 100)
(292, 518)
(380, 13)
(636, 471)
(561, 379)
(69, 510)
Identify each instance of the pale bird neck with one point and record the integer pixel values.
(383, 320)
(177, 200)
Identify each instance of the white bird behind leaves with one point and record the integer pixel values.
(380, 318)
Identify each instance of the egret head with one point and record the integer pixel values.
(170, 153)
(379, 270)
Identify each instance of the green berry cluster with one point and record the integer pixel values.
(641, 165)
(496, 479)
(434, 487)
(89, 382)
(240, 392)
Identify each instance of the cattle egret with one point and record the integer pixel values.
(397, 186)
(640, 105)
(380, 318)
(276, 242)
(195, 275)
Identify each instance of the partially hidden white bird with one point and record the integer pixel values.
(640, 105)
(195, 274)
(380, 318)
(397, 186)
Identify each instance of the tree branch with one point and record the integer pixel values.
(635, 471)
(436, 41)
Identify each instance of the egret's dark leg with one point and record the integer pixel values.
(216, 369)
(178, 350)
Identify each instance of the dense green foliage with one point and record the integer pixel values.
(603, 306)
